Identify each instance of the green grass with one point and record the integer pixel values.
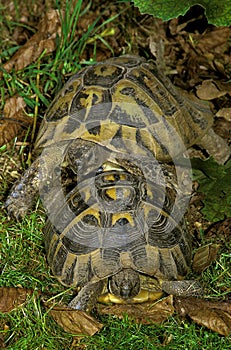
(30, 328)
(217, 277)
(22, 255)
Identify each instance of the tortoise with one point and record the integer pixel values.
(116, 225)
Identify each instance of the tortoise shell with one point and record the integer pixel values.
(116, 124)
(129, 97)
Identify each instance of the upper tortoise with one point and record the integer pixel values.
(101, 170)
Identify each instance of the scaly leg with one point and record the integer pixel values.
(88, 296)
(183, 288)
(24, 191)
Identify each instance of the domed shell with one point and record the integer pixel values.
(130, 97)
(119, 104)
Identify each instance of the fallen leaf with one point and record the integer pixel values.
(14, 119)
(225, 113)
(145, 313)
(222, 126)
(204, 257)
(211, 314)
(44, 40)
(221, 231)
(74, 321)
(10, 298)
(216, 40)
(202, 57)
(209, 90)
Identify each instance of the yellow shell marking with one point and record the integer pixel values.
(123, 215)
(93, 94)
(111, 193)
(109, 177)
(88, 211)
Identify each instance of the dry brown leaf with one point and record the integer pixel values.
(220, 230)
(204, 56)
(208, 90)
(10, 298)
(225, 113)
(144, 313)
(204, 257)
(75, 321)
(14, 119)
(222, 127)
(213, 315)
(44, 39)
(216, 40)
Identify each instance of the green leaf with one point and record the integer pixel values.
(215, 183)
(217, 12)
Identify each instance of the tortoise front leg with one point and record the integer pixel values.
(88, 296)
(23, 192)
(38, 177)
(183, 288)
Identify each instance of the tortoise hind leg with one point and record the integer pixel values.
(183, 288)
(88, 296)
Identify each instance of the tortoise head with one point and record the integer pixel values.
(125, 284)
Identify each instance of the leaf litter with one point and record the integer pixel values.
(11, 298)
(74, 321)
(215, 315)
(204, 257)
(14, 119)
(44, 40)
(198, 61)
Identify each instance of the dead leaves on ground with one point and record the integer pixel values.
(203, 56)
(215, 315)
(221, 231)
(204, 256)
(201, 60)
(11, 298)
(210, 90)
(43, 40)
(75, 321)
(14, 120)
(145, 313)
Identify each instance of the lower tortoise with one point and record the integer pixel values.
(115, 218)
